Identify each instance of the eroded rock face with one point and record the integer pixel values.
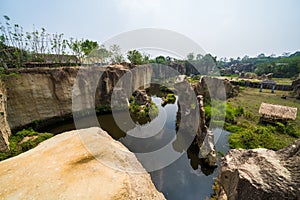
(193, 115)
(215, 88)
(296, 87)
(63, 168)
(261, 173)
(4, 127)
(142, 98)
(42, 94)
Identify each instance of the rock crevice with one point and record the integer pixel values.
(261, 173)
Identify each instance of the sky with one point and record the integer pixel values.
(224, 28)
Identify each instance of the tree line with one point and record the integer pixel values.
(18, 47)
(284, 66)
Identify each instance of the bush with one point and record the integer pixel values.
(249, 136)
(220, 109)
(256, 137)
(171, 98)
(142, 113)
(17, 145)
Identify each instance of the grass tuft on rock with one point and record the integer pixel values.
(23, 141)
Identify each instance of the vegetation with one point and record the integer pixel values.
(23, 141)
(18, 48)
(169, 99)
(248, 131)
(136, 57)
(142, 113)
(216, 111)
(284, 66)
(194, 78)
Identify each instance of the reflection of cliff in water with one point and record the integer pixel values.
(165, 124)
(188, 174)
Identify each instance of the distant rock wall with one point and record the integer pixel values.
(191, 116)
(296, 88)
(41, 94)
(261, 173)
(4, 127)
(252, 84)
(216, 88)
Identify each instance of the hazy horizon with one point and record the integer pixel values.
(224, 29)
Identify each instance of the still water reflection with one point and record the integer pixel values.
(187, 177)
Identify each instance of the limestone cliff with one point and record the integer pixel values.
(4, 127)
(215, 88)
(261, 173)
(191, 116)
(296, 87)
(63, 168)
(40, 94)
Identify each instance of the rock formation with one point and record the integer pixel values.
(261, 173)
(192, 119)
(296, 88)
(63, 168)
(4, 127)
(45, 94)
(215, 88)
(141, 98)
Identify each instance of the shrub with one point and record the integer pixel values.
(34, 138)
(171, 98)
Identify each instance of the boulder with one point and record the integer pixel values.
(142, 98)
(63, 167)
(296, 87)
(261, 173)
(215, 88)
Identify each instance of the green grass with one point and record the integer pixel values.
(248, 131)
(23, 141)
(171, 98)
(280, 81)
(283, 81)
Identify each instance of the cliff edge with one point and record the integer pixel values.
(261, 173)
(62, 168)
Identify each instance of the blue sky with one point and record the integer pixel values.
(228, 28)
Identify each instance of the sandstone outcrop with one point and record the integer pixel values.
(261, 173)
(45, 94)
(215, 88)
(296, 88)
(191, 116)
(4, 127)
(63, 168)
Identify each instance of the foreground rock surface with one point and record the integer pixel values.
(62, 168)
(262, 173)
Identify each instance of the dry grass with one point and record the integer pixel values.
(278, 111)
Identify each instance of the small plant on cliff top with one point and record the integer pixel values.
(25, 140)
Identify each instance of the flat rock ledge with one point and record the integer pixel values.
(261, 173)
(63, 168)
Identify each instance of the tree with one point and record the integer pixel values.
(76, 46)
(103, 54)
(262, 55)
(190, 56)
(199, 56)
(160, 60)
(116, 55)
(135, 57)
(88, 46)
(245, 58)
